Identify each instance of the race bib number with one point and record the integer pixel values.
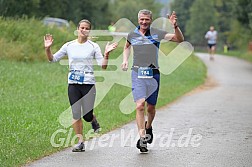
(77, 76)
(145, 72)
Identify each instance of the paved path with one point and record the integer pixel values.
(211, 126)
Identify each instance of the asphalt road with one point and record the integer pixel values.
(208, 127)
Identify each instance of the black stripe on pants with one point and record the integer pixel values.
(81, 98)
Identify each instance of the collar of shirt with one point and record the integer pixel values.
(137, 31)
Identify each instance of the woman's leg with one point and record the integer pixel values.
(75, 96)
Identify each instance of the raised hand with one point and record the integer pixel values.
(173, 18)
(48, 40)
(110, 47)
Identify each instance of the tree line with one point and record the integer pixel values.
(232, 19)
(99, 12)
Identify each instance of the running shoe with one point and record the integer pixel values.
(80, 147)
(142, 145)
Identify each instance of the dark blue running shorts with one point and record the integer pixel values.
(146, 88)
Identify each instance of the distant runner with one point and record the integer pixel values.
(211, 37)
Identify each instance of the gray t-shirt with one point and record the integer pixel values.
(146, 47)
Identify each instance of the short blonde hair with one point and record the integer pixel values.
(145, 12)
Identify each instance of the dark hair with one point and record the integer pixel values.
(85, 21)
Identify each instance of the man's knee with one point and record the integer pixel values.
(151, 108)
(140, 105)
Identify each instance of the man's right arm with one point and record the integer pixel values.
(126, 54)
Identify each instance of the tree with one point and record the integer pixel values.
(75, 10)
(244, 12)
(181, 7)
(96, 11)
(10, 8)
(241, 26)
(225, 18)
(130, 8)
(200, 21)
(55, 8)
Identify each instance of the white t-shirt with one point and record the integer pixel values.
(211, 36)
(81, 59)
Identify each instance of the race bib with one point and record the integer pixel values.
(76, 76)
(145, 72)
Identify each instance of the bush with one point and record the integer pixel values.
(22, 39)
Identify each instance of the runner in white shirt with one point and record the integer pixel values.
(81, 81)
(211, 37)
